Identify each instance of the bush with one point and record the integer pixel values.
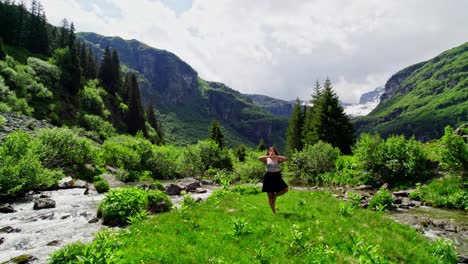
(20, 168)
(454, 151)
(3, 121)
(122, 203)
(91, 97)
(102, 127)
(196, 160)
(394, 161)
(448, 192)
(163, 162)
(308, 164)
(127, 152)
(382, 200)
(101, 186)
(62, 148)
(244, 189)
(240, 152)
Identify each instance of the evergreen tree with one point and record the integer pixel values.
(240, 152)
(215, 133)
(294, 132)
(309, 131)
(116, 83)
(75, 69)
(108, 71)
(63, 36)
(92, 67)
(154, 122)
(135, 116)
(261, 145)
(329, 122)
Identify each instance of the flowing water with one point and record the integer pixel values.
(437, 223)
(44, 231)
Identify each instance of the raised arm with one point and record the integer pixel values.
(282, 158)
(263, 158)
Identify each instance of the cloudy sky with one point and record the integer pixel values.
(280, 48)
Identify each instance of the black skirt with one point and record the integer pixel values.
(273, 182)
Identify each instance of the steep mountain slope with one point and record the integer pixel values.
(422, 99)
(272, 105)
(188, 104)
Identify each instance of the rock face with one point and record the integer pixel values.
(272, 105)
(393, 85)
(372, 96)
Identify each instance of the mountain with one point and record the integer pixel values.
(272, 105)
(367, 103)
(372, 96)
(187, 103)
(422, 99)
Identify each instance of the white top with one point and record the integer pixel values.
(272, 165)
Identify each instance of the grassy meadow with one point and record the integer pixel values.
(309, 227)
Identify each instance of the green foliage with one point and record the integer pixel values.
(394, 160)
(163, 162)
(261, 145)
(382, 200)
(240, 152)
(294, 132)
(127, 152)
(158, 201)
(246, 189)
(62, 148)
(444, 250)
(448, 192)
(95, 123)
(91, 97)
(308, 164)
(206, 154)
(101, 251)
(455, 151)
(46, 72)
(216, 134)
(20, 167)
(251, 170)
(101, 186)
(120, 204)
(240, 226)
(3, 121)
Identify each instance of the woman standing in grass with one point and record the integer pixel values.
(273, 183)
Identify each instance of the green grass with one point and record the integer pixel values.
(308, 228)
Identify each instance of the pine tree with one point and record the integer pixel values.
(216, 134)
(154, 122)
(2, 50)
(105, 71)
(309, 131)
(261, 145)
(294, 132)
(116, 83)
(75, 69)
(135, 116)
(63, 36)
(329, 123)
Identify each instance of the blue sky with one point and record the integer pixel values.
(280, 48)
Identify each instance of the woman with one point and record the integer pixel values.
(273, 184)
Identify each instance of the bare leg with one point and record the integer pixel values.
(282, 192)
(272, 200)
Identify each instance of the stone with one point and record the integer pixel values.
(192, 186)
(9, 229)
(364, 188)
(206, 182)
(111, 169)
(22, 259)
(53, 243)
(200, 190)
(43, 203)
(173, 189)
(2, 239)
(6, 209)
(401, 193)
(66, 182)
(93, 220)
(80, 184)
(159, 207)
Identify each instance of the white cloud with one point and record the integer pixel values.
(280, 48)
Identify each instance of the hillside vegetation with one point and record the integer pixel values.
(424, 98)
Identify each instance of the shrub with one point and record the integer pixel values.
(443, 249)
(163, 162)
(240, 152)
(446, 192)
(393, 161)
(102, 127)
(91, 97)
(454, 151)
(127, 152)
(20, 168)
(382, 199)
(244, 189)
(62, 148)
(308, 164)
(251, 170)
(3, 121)
(101, 186)
(206, 154)
(122, 203)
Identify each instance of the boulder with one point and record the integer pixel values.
(66, 182)
(2, 239)
(173, 189)
(9, 229)
(6, 209)
(192, 186)
(401, 193)
(200, 190)
(364, 188)
(22, 259)
(43, 203)
(206, 182)
(159, 207)
(80, 184)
